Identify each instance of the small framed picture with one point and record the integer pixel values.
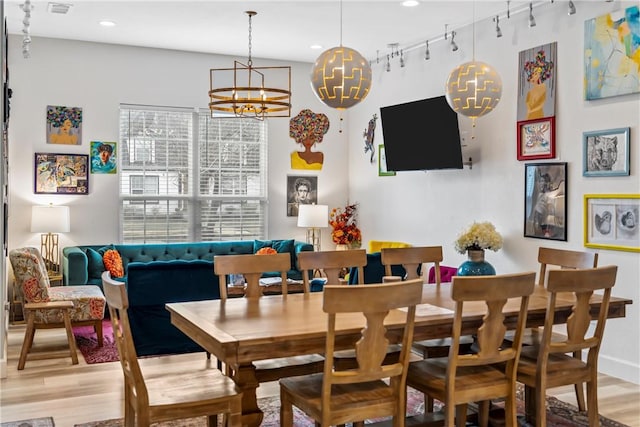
(536, 139)
(301, 190)
(605, 152)
(61, 173)
(611, 221)
(545, 203)
(382, 163)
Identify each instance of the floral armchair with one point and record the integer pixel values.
(53, 307)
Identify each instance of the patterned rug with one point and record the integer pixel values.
(87, 343)
(36, 422)
(559, 414)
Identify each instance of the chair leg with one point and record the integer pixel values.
(461, 415)
(592, 402)
(483, 413)
(286, 411)
(70, 337)
(28, 339)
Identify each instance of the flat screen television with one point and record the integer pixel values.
(421, 135)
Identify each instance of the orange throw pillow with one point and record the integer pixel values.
(266, 251)
(113, 262)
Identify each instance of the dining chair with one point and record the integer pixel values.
(548, 365)
(252, 267)
(171, 395)
(490, 372)
(373, 388)
(563, 259)
(331, 264)
(48, 307)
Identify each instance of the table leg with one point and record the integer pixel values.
(530, 404)
(245, 378)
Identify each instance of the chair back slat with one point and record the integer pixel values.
(564, 259)
(252, 267)
(411, 258)
(331, 263)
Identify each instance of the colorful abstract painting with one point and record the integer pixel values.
(612, 54)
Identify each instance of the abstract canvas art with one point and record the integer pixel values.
(611, 51)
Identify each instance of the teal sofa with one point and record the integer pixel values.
(157, 274)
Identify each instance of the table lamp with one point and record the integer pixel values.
(50, 220)
(313, 217)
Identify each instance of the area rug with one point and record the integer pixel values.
(36, 422)
(87, 343)
(559, 414)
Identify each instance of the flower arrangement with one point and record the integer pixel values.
(266, 251)
(345, 229)
(479, 235)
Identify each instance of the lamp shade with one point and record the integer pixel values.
(474, 89)
(313, 216)
(50, 219)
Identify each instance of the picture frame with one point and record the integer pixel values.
(545, 201)
(301, 189)
(61, 174)
(611, 221)
(606, 152)
(382, 163)
(536, 139)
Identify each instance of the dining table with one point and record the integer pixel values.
(241, 331)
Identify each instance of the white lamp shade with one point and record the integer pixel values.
(50, 219)
(313, 216)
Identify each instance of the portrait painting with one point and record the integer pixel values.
(301, 189)
(606, 152)
(611, 221)
(308, 130)
(537, 82)
(611, 51)
(64, 125)
(545, 204)
(104, 157)
(61, 173)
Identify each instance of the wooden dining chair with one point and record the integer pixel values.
(550, 258)
(169, 396)
(252, 267)
(548, 365)
(331, 264)
(373, 388)
(490, 372)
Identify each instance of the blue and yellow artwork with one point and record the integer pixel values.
(104, 157)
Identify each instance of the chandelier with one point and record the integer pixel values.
(243, 90)
(341, 76)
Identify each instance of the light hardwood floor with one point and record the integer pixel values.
(74, 394)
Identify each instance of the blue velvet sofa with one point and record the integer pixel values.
(156, 274)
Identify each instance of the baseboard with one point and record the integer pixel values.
(619, 368)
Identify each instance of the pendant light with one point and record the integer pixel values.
(341, 76)
(474, 88)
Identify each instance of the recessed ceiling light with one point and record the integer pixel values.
(316, 46)
(106, 23)
(410, 3)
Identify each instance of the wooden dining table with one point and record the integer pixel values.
(241, 331)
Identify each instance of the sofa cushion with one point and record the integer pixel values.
(281, 246)
(95, 266)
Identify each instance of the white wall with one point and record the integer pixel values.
(431, 208)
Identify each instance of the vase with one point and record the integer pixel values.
(340, 247)
(476, 265)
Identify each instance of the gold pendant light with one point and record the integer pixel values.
(243, 90)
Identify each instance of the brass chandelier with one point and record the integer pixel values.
(243, 90)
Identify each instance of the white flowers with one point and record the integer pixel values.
(479, 235)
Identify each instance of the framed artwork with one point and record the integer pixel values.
(605, 152)
(301, 189)
(104, 157)
(536, 139)
(61, 173)
(382, 163)
(64, 125)
(610, 54)
(545, 202)
(611, 221)
(537, 82)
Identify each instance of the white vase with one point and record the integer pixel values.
(342, 247)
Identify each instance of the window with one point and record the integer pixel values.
(187, 177)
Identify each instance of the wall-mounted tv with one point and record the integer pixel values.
(421, 135)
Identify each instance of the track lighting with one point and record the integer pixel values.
(427, 54)
(388, 67)
(532, 20)
(401, 58)
(498, 30)
(454, 46)
(572, 8)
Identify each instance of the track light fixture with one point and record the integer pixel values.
(498, 30)
(402, 59)
(427, 54)
(388, 67)
(454, 46)
(572, 8)
(532, 20)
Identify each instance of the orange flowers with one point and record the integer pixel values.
(266, 251)
(345, 229)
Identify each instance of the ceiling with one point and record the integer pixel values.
(281, 30)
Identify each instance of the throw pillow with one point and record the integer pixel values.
(266, 251)
(113, 263)
(259, 244)
(95, 266)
